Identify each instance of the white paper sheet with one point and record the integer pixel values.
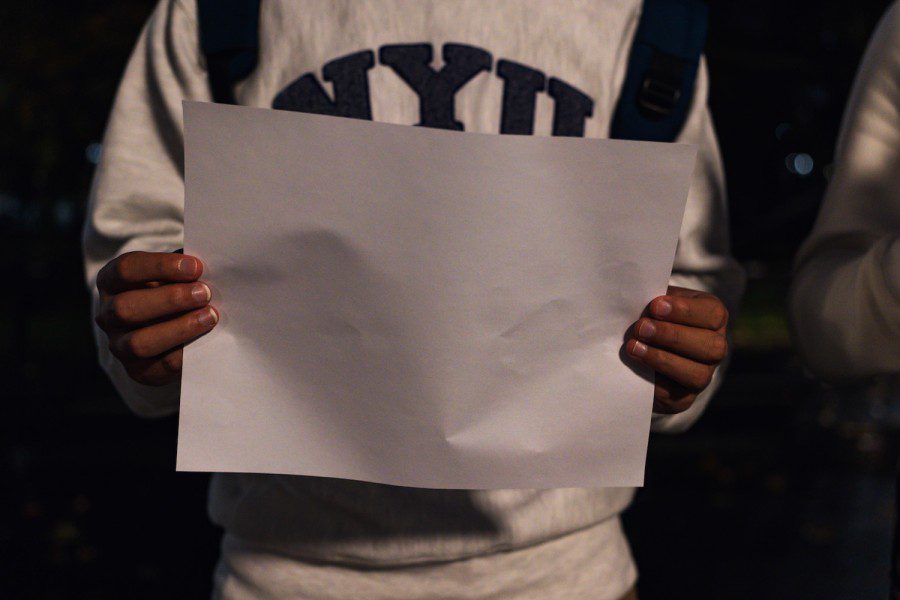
(421, 307)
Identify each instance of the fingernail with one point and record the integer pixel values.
(646, 329)
(663, 308)
(208, 317)
(200, 293)
(639, 349)
(187, 267)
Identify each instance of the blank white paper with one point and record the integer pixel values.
(421, 307)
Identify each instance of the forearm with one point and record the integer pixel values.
(845, 302)
(845, 307)
(703, 259)
(137, 197)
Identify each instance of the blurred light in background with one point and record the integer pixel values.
(23, 216)
(64, 213)
(799, 163)
(92, 152)
(781, 130)
(9, 206)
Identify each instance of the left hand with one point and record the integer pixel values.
(681, 336)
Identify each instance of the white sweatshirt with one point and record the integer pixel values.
(300, 536)
(845, 300)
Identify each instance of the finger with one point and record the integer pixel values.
(684, 371)
(703, 310)
(692, 342)
(670, 398)
(135, 307)
(154, 340)
(156, 371)
(135, 269)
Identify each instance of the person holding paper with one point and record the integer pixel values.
(845, 298)
(511, 66)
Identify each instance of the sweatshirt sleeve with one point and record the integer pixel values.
(845, 299)
(703, 258)
(137, 196)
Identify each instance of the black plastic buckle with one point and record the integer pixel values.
(661, 89)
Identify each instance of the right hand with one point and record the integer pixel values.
(151, 305)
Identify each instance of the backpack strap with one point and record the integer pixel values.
(229, 39)
(662, 67)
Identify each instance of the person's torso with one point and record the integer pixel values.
(499, 66)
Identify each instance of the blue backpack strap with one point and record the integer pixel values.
(229, 39)
(662, 67)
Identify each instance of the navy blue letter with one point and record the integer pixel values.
(521, 85)
(572, 108)
(436, 89)
(350, 78)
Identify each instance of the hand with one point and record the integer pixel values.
(151, 305)
(682, 337)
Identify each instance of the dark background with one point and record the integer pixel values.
(784, 489)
